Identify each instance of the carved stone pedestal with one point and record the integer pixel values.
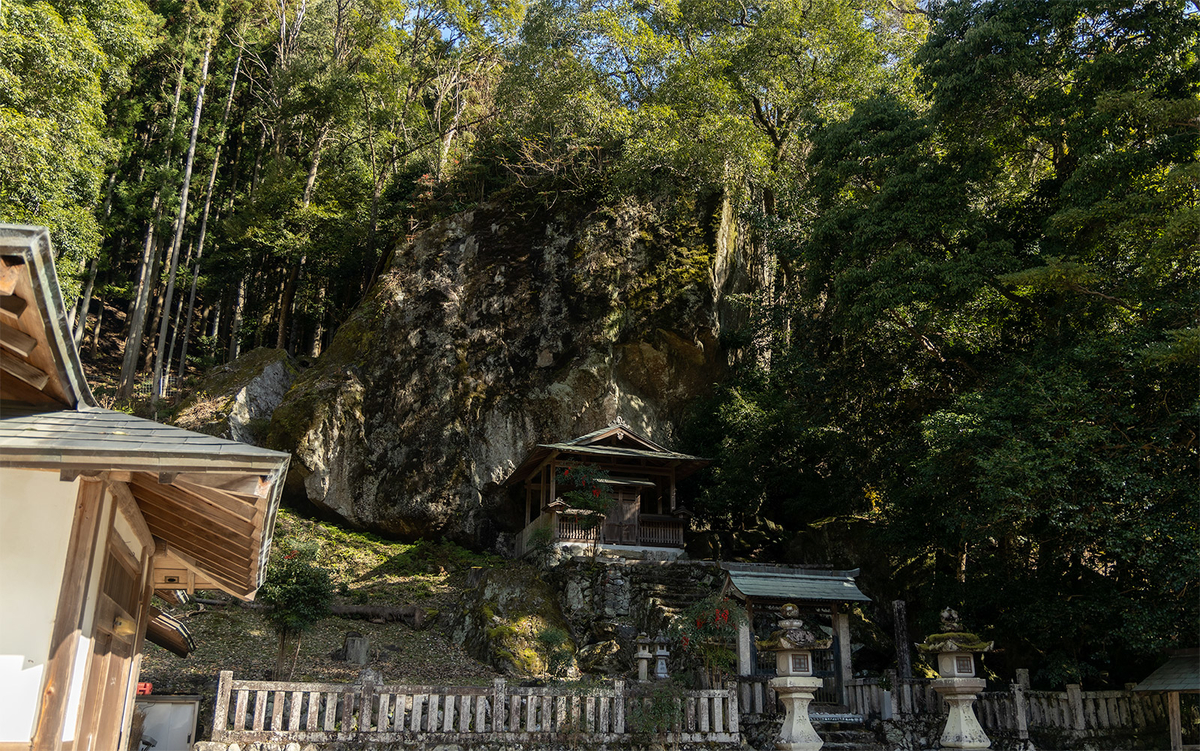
(797, 733)
(962, 728)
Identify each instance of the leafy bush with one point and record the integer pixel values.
(299, 592)
(557, 646)
(705, 637)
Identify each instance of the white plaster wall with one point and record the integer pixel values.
(36, 513)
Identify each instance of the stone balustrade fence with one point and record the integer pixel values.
(284, 712)
(1016, 710)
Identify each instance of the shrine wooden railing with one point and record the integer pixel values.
(578, 525)
(284, 712)
(660, 531)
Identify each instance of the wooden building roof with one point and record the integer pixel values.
(1180, 673)
(208, 503)
(780, 584)
(615, 442)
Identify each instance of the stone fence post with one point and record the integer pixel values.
(499, 699)
(1075, 704)
(619, 706)
(368, 695)
(1020, 713)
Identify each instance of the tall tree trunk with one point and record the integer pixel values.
(216, 320)
(208, 200)
(77, 318)
(235, 327)
(177, 240)
(95, 345)
(293, 278)
(187, 259)
(136, 317)
(258, 157)
(85, 302)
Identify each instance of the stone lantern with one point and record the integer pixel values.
(660, 657)
(955, 652)
(643, 657)
(795, 684)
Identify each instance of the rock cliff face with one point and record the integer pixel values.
(501, 328)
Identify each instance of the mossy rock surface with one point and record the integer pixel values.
(963, 640)
(503, 621)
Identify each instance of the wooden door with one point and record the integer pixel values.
(630, 507)
(621, 523)
(110, 667)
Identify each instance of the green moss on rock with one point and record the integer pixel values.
(501, 622)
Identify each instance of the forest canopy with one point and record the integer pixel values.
(977, 351)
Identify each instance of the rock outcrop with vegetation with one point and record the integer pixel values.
(498, 329)
(236, 400)
(512, 622)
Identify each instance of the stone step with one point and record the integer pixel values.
(846, 736)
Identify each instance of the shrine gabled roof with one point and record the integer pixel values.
(664, 455)
(685, 464)
(1180, 673)
(620, 430)
(790, 584)
(39, 358)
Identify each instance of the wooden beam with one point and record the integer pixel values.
(16, 340)
(11, 308)
(196, 525)
(242, 484)
(243, 507)
(201, 509)
(228, 585)
(71, 475)
(127, 507)
(42, 358)
(233, 563)
(107, 612)
(18, 391)
(48, 730)
(11, 271)
(209, 550)
(1174, 721)
(135, 667)
(23, 371)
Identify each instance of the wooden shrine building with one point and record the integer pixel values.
(1180, 675)
(99, 510)
(642, 477)
(825, 593)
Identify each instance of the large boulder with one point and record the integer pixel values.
(236, 400)
(501, 328)
(511, 621)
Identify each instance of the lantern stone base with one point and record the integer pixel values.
(962, 728)
(797, 733)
